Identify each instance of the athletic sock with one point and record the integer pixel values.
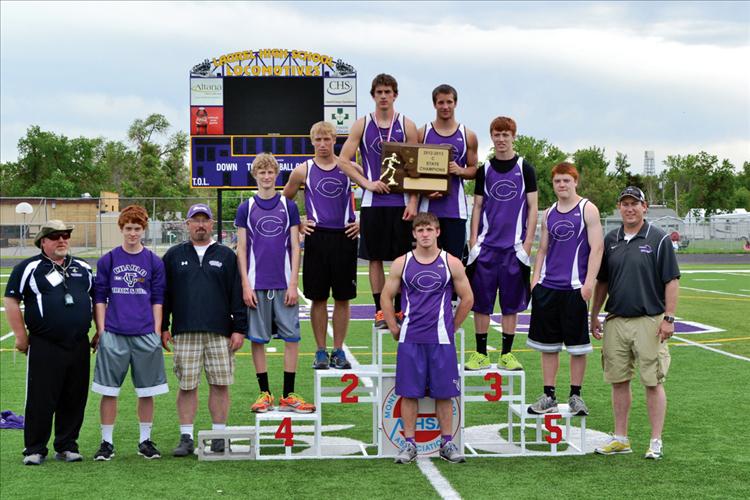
(263, 381)
(376, 300)
(549, 390)
(507, 343)
(187, 429)
(481, 343)
(575, 390)
(218, 427)
(107, 431)
(288, 383)
(411, 440)
(445, 439)
(397, 303)
(145, 428)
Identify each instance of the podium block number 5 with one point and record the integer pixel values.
(496, 385)
(346, 394)
(555, 432)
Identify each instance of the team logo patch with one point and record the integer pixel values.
(270, 226)
(426, 281)
(330, 187)
(215, 263)
(562, 230)
(503, 190)
(645, 249)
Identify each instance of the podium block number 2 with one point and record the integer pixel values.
(285, 432)
(496, 385)
(555, 432)
(346, 394)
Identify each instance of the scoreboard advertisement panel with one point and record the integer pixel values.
(251, 102)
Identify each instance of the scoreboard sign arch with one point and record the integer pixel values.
(255, 101)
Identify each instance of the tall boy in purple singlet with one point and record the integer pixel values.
(384, 216)
(268, 255)
(427, 277)
(450, 209)
(129, 296)
(570, 252)
(503, 223)
(331, 237)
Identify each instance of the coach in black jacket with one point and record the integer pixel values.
(209, 318)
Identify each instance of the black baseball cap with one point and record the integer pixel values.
(633, 192)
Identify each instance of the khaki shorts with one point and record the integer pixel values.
(630, 340)
(193, 351)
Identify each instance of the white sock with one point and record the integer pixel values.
(218, 427)
(622, 439)
(187, 429)
(145, 431)
(107, 433)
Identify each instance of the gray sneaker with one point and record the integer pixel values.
(33, 459)
(408, 453)
(186, 446)
(544, 404)
(69, 456)
(577, 406)
(449, 451)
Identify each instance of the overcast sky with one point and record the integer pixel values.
(671, 77)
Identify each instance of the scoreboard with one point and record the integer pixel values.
(263, 101)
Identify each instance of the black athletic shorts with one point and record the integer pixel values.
(384, 235)
(452, 237)
(559, 317)
(329, 263)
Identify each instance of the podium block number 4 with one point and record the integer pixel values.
(496, 384)
(346, 394)
(555, 432)
(285, 432)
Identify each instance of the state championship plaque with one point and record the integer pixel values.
(421, 168)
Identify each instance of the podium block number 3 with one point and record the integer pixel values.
(496, 384)
(346, 394)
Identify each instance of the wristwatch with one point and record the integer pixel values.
(669, 319)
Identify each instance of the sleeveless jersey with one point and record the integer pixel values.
(269, 249)
(453, 204)
(328, 197)
(567, 258)
(504, 209)
(370, 149)
(426, 291)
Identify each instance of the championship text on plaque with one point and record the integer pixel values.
(415, 167)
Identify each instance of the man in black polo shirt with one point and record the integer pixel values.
(56, 290)
(639, 272)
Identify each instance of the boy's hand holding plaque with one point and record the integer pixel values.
(421, 168)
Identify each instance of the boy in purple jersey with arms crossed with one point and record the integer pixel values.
(450, 209)
(268, 256)
(570, 252)
(129, 296)
(384, 216)
(503, 222)
(330, 258)
(427, 277)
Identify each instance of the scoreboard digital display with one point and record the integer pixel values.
(250, 102)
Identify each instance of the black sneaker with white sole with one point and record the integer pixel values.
(147, 449)
(186, 446)
(105, 453)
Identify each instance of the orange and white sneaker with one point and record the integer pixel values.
(380, 323)
(295, 403)
(263, 404)
(400, 318)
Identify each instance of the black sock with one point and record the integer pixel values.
(288, 383)
(376, 299)
(507, 343)
(263, 381)
(575, 390)
(397, 303)
(481, 343)
(549, 390)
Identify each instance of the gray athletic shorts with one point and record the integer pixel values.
(142, 353)
(272, 318)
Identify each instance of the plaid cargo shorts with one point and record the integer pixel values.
(196, 350)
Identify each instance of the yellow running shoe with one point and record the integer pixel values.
(263, 404)
(509, 362)
(477, 361)
(295, 403)
(614, 446)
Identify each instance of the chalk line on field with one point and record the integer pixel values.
(437, 480)
(6, 336)
(712, 349)
(715, 291)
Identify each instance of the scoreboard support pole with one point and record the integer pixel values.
(220, 219)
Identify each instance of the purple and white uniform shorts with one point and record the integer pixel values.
(499, 270)
(427, 370)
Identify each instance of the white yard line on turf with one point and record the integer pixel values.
(437, 480)
(6, 336)
(715, 291)
(717, 271)
(712, 349)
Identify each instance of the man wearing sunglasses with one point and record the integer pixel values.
(55, 288)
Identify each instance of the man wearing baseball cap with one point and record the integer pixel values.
(55, 288)
(209, 321)
(639, 272)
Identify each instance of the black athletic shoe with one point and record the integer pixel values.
(186, 446)
(147, 449)
(105, 453)
(217, 446)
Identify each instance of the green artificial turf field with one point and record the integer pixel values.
(706, 446)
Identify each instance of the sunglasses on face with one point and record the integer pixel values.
(57, 236)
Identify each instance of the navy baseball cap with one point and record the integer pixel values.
(200, 208)
(633, 192)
